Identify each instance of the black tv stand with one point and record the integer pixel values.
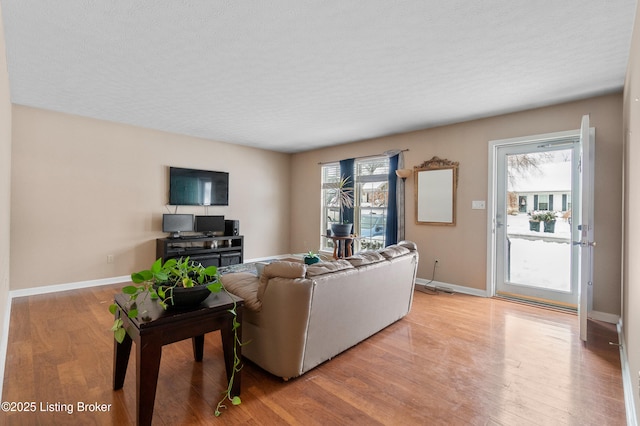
(209, 251)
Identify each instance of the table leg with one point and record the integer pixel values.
(198, 347)
(150, 351)
(335, 249)
(121, 352)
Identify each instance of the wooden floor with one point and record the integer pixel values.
(454, 359)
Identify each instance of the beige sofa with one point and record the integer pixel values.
(298, 316)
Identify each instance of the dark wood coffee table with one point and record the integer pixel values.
(162, 327)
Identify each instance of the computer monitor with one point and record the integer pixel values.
(210, 225)
(177, 223)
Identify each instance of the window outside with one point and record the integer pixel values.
(370, 202)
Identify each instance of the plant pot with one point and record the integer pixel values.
(186, 297)
(341, 229)
(534, 226)
(550, 226)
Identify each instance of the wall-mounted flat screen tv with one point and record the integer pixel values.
(191, 187)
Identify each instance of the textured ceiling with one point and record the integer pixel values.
(294, 75)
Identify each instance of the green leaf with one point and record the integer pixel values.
(132, 313)
(161, 292)
(130, 289)
(162, 276)
(113, 308)
(119, 335)
(170, 264)
(236, 400)
(116, 325)
(142, 276)
(214, 287)
(211, 271)
(187, 282)
(157, 266)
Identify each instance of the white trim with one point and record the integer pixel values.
(69, 286)
(604, 317)
(421, 283)
(627, 379)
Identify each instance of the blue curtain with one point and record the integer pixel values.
(391, 233)
(346, 170)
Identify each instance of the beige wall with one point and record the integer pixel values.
(631, 268)
(462, 249)
(5, 178)
(83, 189)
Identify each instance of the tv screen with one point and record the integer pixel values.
(190, 187)
(176, 223)
(210, 224)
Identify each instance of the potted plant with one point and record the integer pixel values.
(343, 195)
(310, 258)
(176, 283)
(534, 221)
(549, 219)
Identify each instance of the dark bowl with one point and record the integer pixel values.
(187, 297)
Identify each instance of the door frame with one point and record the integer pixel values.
(492, 195)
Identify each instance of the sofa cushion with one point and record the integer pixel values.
(327, 267)
(394, 251)
(408, 244)
(365, 258)
(245, 285)
(280, 269)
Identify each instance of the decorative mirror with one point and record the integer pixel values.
(436, 183)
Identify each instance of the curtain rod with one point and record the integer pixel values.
(366, 156)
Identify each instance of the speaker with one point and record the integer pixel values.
(231, 227)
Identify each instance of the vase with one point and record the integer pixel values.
(341, 229)
(534, 226)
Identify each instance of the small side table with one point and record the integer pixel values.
(344, 243)
(164, 327)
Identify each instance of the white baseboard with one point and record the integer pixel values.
(604, 317)
(69, 286)
(627, 379)
(437, 285)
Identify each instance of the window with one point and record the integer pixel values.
(370, 202)
(543, 202)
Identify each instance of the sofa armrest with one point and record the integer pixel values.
(277, 334)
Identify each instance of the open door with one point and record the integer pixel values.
(585, 225)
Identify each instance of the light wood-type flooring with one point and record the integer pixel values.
(454, 360)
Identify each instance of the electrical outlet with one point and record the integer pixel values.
(109, 258)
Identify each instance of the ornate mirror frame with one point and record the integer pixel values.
(436, 184)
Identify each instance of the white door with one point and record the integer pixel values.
(585, 242)
(579, 240)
